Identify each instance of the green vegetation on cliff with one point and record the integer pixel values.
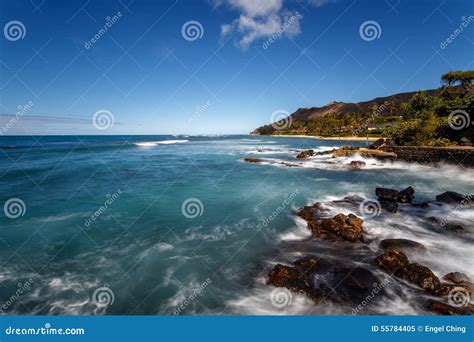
(434, 117)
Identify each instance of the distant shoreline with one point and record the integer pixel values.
(350, 138)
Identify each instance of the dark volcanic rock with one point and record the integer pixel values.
(346, 227)
(420, 275)
(386, 194)
(291, 278)
(354, 284)
(307, 264)
(253, 160)
(457, 278)
(357, 164)
(404, 196)
(312, 214)
(397, 263)
(445, 309)
(305, 154)
(392, 260)
(454, 228)
(377, 143)
(452, 197)
(400, 243)
(389, 206)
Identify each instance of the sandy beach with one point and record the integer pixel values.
(351, 138)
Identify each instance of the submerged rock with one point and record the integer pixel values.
(253, 160)
(404, 196)
(454, 228)
(397, 263)
(389, 206)
(392, 260)
(445, 309)
(292, 279)
(457, 278)
(400, 243)
(357, 164)
(305, 154)
(451, 197)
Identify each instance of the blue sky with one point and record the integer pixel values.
(151, 80)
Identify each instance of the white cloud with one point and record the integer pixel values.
(255, 8)
(319, 3)
(260, 20)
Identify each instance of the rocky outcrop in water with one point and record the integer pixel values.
(451, 197)
(344, 227)
(357, 164)
(404, 196)
(339, 281)
(305, 154)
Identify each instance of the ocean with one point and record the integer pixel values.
(183, 225)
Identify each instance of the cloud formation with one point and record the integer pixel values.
(260, 20)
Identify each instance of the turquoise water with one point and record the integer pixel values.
(107, 212)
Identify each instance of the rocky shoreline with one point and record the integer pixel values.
(325, 280)
(387, 150)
